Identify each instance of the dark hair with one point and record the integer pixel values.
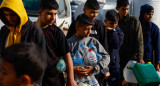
(121, 3)
(49, 4)
(83, 19)
(92, 4)
(145, 9)
(26, 58)
(112, 15)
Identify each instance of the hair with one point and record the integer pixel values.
(92, 4)
(49, 4)
(145, 9)
(26, 58)
(83, 19)
(112, 15)
(121, 3)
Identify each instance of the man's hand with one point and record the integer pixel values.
(141, 61)
(106, 75)
(89, 69)
(80, 71)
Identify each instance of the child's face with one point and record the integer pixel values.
(8, 75)
(91, 13)
(111, 24)
(11, 17)
(148, 16)
(48, 16)
(123, 10)
(84, 30)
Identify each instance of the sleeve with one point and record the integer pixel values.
(156, 44)
(139, 40)
(115, 38)
(62, 45)
(71, 30)
(104, 62)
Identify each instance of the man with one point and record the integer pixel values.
(132, 47)
(91, 9)
(115, 40)
(57, 46)
(151, 36)
(83, 30)
(22, 65)
(18, 28)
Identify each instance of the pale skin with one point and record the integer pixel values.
(48, 17)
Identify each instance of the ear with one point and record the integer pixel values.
(25, 80)
(84, 10)
(117, 8)
(105, 20)
(39, 12)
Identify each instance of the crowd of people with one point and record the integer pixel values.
(30, 51)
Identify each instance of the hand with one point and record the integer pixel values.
(109, 28)
(71, 83)
(106, 75)
(157, 67)
(80, 71)
(89, 69)
(141, 61)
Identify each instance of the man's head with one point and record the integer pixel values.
(91, 9)
(48, 11)
(11, 17)
(83, 25)
(122, 7)
(22, 65)
(112, 19)
(146, 13)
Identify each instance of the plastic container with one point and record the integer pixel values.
(61, 66)
(91, 46)
(92, 59)
(84, 50)
(93, 81)
(99, 56)
(128, 73)
(145, 74)
(77, 59)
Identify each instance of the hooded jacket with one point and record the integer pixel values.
(15, 31)
(151, 36)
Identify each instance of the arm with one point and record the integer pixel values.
(139, 42)
(70, 73)
(115, 38)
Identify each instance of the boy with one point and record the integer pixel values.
(151, 36)
(91, 9)
(132, 47)
(57, 45)
(83, 30)
(115, 40)
(22, 65)
(18, 28)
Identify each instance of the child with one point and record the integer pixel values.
(83, 30)
(22, 65)
(115, 40)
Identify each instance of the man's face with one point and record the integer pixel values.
(11, 17)
(111, 24)
(48, 16)
(123, 10)
(8, 75)
(148, 16)
(91, 13)
(84, 30)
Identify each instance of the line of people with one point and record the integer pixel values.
(30, 50)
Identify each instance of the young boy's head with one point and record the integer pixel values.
(146, 13)
(10, 17)
(112, 19)
(83, 25)
(122, 7)
(48, 11)
(91, 9)
(22, 65)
